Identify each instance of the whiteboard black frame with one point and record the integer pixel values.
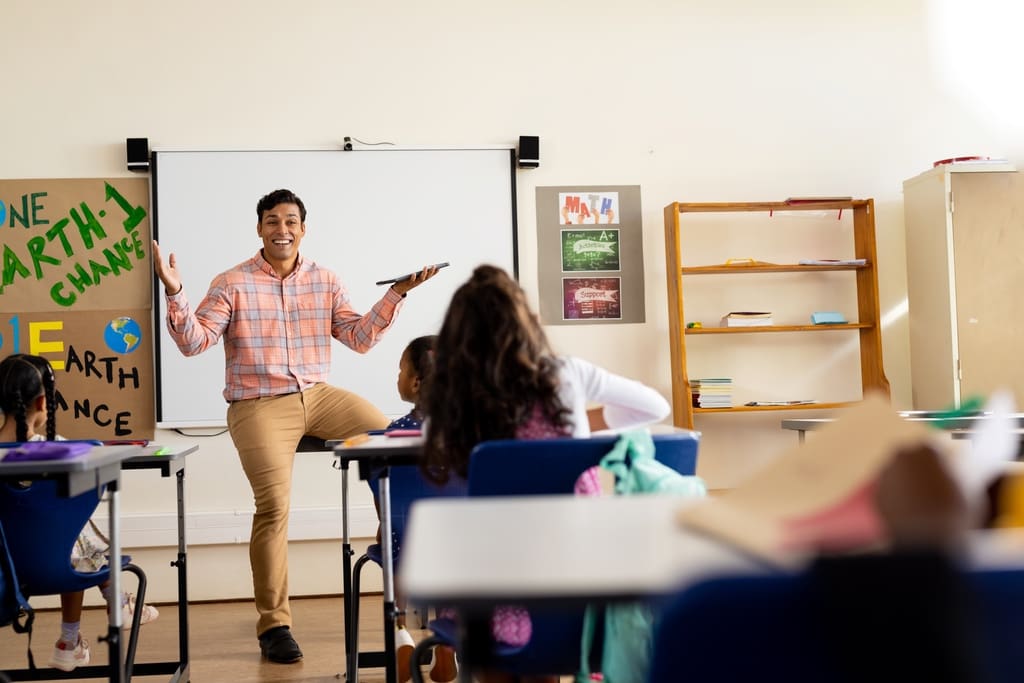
(238, 228)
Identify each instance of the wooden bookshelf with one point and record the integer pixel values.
(867, 325)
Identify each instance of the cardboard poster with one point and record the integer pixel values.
(76, 288)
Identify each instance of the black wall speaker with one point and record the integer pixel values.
(138, 153)
(529, 151)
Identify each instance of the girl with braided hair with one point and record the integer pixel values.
(28, 404)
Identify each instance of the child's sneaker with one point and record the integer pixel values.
(404, 646)
(66, 658)
(149, 613)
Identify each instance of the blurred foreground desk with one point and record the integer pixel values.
(479, 551)
(564, 551)
(552, 552)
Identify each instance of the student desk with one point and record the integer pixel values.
(804, 425)
(378, 452)
(171, 462)
(99, 467)
(480, 551)
(968, 433)
(566, 551)
(554, 552)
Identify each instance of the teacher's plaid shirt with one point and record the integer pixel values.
(277, 332)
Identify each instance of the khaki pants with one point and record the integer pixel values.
(266, 432)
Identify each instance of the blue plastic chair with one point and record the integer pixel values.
(785, 633)
(41, 528)
(545, 467)
(526, 467)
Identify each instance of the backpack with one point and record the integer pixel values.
(628, 632)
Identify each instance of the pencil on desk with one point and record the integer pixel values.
(355, 440)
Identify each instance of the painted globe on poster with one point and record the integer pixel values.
(122, 335)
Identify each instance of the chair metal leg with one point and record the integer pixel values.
(353, 639)
(133, 634)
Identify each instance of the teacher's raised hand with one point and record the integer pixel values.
(167, 272)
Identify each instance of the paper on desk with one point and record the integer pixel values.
(832, 262)
(816, 494)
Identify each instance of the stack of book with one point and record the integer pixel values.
(711, 392)
(747, 319)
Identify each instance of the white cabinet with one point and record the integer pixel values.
(965, 282)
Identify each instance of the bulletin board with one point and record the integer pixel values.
(590, 255)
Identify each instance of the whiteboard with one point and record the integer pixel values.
(371, 215)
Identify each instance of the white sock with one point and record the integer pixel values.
(69, 632)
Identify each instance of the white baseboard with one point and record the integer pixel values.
(230, 527)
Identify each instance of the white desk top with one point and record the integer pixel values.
(947, 422)
(559, 548)
(567, 549)
(101, 465)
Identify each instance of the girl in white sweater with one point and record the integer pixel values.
(495, 377)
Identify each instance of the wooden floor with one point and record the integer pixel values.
(223, 645)
(223, 641)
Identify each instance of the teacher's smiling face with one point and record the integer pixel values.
(281, 229)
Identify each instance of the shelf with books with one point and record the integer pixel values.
(756, 409)
(857, 246)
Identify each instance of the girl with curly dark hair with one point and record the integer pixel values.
(496, 377)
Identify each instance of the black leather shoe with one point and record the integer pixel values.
(278, 646)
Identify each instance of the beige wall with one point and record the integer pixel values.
(692, 100)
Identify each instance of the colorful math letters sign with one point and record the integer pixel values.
(76, 288)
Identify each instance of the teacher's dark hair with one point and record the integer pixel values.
(276, 197)
(23, 379)
(493, 367)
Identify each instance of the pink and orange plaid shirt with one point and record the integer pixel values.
(277, 332)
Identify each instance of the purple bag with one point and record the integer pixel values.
(48, 450)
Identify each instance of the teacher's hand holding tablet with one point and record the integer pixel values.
(167, 272)
(404, 283)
